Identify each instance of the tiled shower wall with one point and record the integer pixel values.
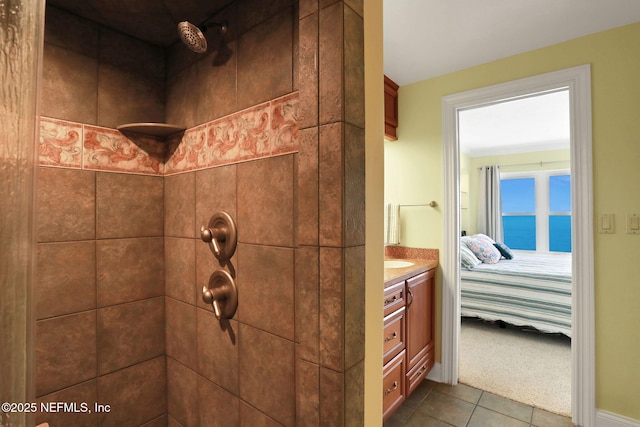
(99, 296)
(239, 372)
(293, 352)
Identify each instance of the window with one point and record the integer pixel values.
(536, 210)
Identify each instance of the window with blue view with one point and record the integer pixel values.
(536, 211)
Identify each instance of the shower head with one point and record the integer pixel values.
(193, 36)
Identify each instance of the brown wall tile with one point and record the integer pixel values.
(332, 398)
(215, 88)
(215, 192)
(271, 390)
(129, 205)
(129, 269)
(353, 68)
(254, 12)
(181, 333)
(307, 393)
(69, 85)
(179, 205)
(126, 97)
(357, 6)
(251, 417)
(181, 98)
(182, 393)
(354, 395)
(130, 80)
(86, 392)
(266, 284)
(132, 55)
(70, 32)
(331, 184)
(136, 394)
(265, 201)
(308, 197)
(268, 48)
(215, 400)
(66, 205)
(307, 7)
(218, 350)
(65, 351)
(332, 337)
(354, 186)
(160, 421)
(130, 333)
(331, 64)
(308, 71)
(66, 278)
(180, 269)
(354, 316)
(307, 302)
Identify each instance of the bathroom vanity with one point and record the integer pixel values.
(408, 328)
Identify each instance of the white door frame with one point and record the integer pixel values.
(578, 81)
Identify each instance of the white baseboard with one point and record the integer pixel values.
(435, 374)
(607, 419)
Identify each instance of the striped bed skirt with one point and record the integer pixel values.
(530, 290)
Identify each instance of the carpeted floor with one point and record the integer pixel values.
(520, 364)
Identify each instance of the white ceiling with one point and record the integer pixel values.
(428, 38)
(519, 126)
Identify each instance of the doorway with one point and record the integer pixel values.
(516, 309)
(577, 80)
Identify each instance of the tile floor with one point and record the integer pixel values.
(440, 405)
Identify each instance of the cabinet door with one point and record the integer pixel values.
(419, 315)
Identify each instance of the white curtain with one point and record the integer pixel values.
(489, 204)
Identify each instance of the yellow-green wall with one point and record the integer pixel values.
(413, 171)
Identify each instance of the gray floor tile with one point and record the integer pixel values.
(460, 391)
(547, 419)
(415, 399)
(423, 420)
(483, 417)
(506, 406)
(446, 408)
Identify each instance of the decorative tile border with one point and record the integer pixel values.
(265, 130)
(109, 150)
(60, 143)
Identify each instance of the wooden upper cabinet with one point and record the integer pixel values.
(390, 109)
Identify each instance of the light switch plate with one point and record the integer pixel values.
(607, 223)
(633, 223)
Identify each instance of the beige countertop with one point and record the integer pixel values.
(395, 275)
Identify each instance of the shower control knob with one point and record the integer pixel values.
(221, 235)
(222, 294)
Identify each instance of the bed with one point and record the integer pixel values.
(532, 289)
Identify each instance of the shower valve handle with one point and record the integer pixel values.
(221, 234)
(209, 298)
(222, 294)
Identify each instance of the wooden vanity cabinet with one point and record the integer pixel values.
(408, 338)
(419, 328)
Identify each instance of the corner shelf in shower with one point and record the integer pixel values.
(158, 130)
